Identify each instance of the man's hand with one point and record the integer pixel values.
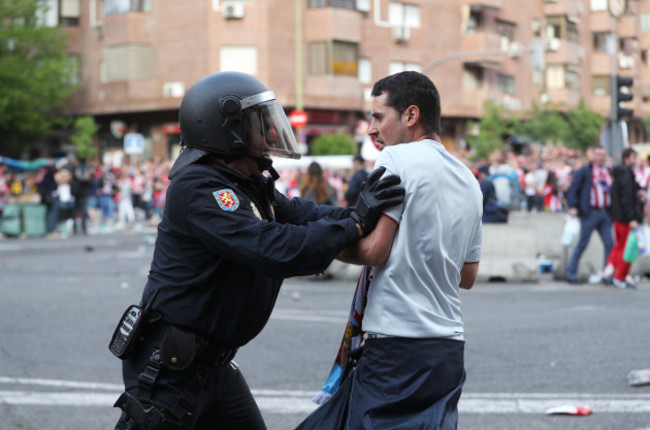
(376, 195)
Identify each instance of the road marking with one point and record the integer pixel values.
(299, 402)
(310, 316)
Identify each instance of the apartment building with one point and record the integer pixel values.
(138, 57)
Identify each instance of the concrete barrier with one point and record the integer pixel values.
(511, 252)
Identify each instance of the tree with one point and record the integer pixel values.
(333, 144)
(85, 128)
(493, 127)
(646, 125)
(583, 127)
(545, 125)
(34, 74)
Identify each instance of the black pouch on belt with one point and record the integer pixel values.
(178, 348)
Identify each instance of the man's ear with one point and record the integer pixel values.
(411, 115)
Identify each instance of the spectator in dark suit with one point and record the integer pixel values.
(589, 199)
(359, 176)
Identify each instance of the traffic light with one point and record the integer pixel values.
(623, 94)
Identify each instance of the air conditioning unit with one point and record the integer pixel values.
(233, 10)
(363, 5)
(625, 62)
(400, 33)
(553, 44)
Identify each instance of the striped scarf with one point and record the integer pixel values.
(352, 339)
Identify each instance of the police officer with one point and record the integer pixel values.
(226, 241)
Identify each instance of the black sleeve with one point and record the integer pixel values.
(627, 189)
(301, 211)
(279, 250)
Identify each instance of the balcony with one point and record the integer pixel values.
(492, 4)
(481, 41)
(333, 24)
(564, 97)
(601, 104)
(560, 51)
(132, 27)
(644, 41)
(627, 26)
(564, 7)
(600, 21)
(601, 63)
(332, 92)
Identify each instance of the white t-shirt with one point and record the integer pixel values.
(415, 293)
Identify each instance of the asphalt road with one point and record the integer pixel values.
(529, 347)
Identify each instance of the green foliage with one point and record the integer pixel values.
(34, 74)
(333, 144)
(494, 126)
(583, 127)
(646, 125)
(545, 125)
(85, 128)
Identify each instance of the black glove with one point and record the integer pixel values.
(375, 196)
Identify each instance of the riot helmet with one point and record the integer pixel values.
(233, 115)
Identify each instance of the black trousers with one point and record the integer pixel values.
(398, 384)
(224, 402)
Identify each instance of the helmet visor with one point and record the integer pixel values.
(268, 130)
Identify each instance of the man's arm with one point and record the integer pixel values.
(373, 249)
(468, 275)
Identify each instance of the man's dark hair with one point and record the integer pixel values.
(627, 152)
(412, 88)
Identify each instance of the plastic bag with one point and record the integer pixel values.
(571, 230)
(631, 248)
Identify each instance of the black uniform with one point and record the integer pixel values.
(224, 246)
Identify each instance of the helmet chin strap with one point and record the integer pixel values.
(265, 163)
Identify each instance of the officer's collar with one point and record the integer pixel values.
(235, 176)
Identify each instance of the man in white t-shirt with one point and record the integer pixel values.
(411, 371)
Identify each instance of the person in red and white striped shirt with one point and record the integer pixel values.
(589, 199)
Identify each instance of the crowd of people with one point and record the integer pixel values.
(88, 197)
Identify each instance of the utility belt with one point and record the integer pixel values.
(167, 346)
(180, 348)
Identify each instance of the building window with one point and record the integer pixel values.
(345, 58)
(600, 41)
(402, 66)
(405, 15)
(365, 71)
(645, 22)
(333, 58)
(506, 84)
(560, 27)
(114, 7)
(506, 29)
(473, 25)
(60, 12)
(318, 59)
(340, 4)
(238, 59)
(127, 62)
(600, 86)
(597, 5)
(560, 77)
(472, 78)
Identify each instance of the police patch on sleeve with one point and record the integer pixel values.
(226, 199)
